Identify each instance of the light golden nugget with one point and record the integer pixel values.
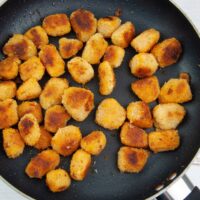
(167, 52)
(175, 91)
(168, 116)
(52, 60)
(29, 129)
(144, 42)
(7, 90)
(28, 90)
(53, 91)
(9, 67)
(38, 36)
(56, 24)
(12, 143)
(20, 46)
(45, 139)
(78, 102)
(80, 164)
(32, 68)
(147, 89)
(132, 160)
(133, 136)
(123, 35)
(42, 163)
(95, 49)
(66, 140)
(80, 70)
(30, 107)
(110, 114)
(83, 23)
(164, 140)
(8, 113)
(56, 117)
(107, 25)
(69, 47)
(94, 143)
(114, 55)
(139, 114)
(107, 79)
(58, 180)
(143, 65)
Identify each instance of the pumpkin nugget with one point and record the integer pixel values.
(7, 90)
(66, 140)
(55, 117)
(110, 114)
(52, 92)
(12, 143)
(56, 24)
(20, 46)
(147, 89)
(132, 160)
(78, 102)
(80, 164)
(94, 143)
(42, 163)
(83, 23)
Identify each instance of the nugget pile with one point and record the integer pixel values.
(30, 56)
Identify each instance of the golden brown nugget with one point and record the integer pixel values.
(175, 91)
(186, 76)
(94, 143)
(53, 91)
(80, 70)
(168, 116)
(160, 141)
(167, 52)
(32, 68)
(66, 140)
(45, 139)
(8, 113)
(9, 67)
(78, 102)
(132, 160)
(123, 35)
(83, 23)
(80, 164)
(42, 163)
(38, 36)
(7, 90)
(95, 48)
(107, 79)
(143, 65)
(133, 136)
(56, 24)
(58, 180)
(20, 46)
(56, 117)
(147, 89)
(139, 114)
(52, 60)
(12, 143)
(107, 25)
(28, 90)
(29, 129)
(110, 114)
(69, 47)
(144, 42)
(114, 55)
(30, 107)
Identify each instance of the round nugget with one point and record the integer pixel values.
(7, 90)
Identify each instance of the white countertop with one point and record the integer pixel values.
(192, 10)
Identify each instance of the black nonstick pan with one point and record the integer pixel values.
(104, 181)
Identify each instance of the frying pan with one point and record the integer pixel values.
(104, 181)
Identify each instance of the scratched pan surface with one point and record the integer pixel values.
(104, 180)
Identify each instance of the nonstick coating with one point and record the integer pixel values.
(104, 181)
